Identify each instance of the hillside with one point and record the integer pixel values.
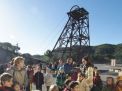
(106, 52)
(99, 54)
(9, 51)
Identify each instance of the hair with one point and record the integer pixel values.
(54, 87)
(81, 74)
(111, 79)
(95, 67)
(68, 75)
(60, 60)
(17, 60)
(67, 82)
(29, 67)
(68, 59)
(73, 84)
(5, 77)
(86, 58)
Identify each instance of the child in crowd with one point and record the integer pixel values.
(97, 82)
(83, 85)
(16, 86)
(6, 80)
(48, 79)
(61, 76)
(68, 77)
(74, 86)
(66, 83)
(119, 84)
(109, 84)
(39, 79)
(30, 73)
(19, 72)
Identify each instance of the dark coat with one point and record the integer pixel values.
(39, 80)
(6, 89)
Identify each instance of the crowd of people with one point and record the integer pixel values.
(59, 76)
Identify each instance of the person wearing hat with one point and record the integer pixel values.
(119, 83)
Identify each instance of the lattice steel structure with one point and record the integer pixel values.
(75, 35)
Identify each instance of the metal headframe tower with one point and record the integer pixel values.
(75, 35)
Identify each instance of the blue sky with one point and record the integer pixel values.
(37, 24)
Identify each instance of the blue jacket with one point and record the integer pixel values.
(68, 68)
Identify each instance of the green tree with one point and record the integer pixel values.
(118, 52)
(48, 55)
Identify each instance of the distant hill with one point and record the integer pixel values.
(9, 51)
(106, 52)
(99, 54)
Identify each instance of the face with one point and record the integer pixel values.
(70, 61)
(60, 62)
(21, 64)
(69, 78)
(76, 88)
(81, 77)
(17, 87)
(109, 81)
(120, 83)
(84, 61)
(95, 68)
(8, 83)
